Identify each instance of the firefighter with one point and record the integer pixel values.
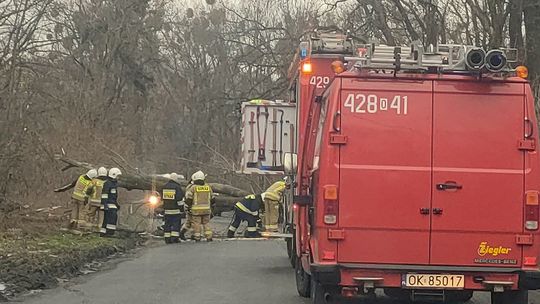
(188, 225)
(172, 196)
(198, 202)
(247, 210)
(94, 204)
(271, 205)
(81, 191)
(109, 203)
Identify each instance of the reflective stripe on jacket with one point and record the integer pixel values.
(202, 195)
(241, 206)
(171, 195)
(82, 185)
(95, 198)
(275, 191)
(109, 193)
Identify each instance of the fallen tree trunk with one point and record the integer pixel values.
(225, 200)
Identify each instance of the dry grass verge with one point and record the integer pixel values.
(29, 262)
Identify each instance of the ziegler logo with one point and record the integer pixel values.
(484, 249)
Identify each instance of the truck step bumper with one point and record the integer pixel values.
(486, 279)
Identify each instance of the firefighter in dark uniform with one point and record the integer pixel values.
(109, 203)
(247, 210)
(172, 196)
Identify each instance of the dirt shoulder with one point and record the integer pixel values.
(29, 262)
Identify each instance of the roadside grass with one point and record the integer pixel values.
(36, 261)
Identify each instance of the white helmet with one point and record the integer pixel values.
(167, 176)
(92, 173)
(174, 176)
(102, 171)
(114, 172)
(199, 175)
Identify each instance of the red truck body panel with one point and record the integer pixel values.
(432, 173)
(310, 85)
(476, 127)
(379, 205)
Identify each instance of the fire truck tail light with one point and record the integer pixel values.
(532, 198)
(532, 209)
(330, 212)
(307, 68)
(330, 219)
(330, 192)
(531, 225)
(522, 72)
(330, 204)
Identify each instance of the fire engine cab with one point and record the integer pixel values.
(417, 173)
(310, 72)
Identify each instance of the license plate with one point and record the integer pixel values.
(420, 280)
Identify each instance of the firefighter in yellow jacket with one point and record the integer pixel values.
(82, 190)
(198, 204)
(272, 197)
(94, 204)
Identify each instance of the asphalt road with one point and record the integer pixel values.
(222, 272)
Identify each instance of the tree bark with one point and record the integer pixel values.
(532, 28)
(432, 23)
(515, 23)
(381, 22)
(226, 197)
(408, 24)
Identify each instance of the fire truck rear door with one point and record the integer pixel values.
(478, 173)
(385, 171)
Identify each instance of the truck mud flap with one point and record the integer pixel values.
(529, 280)
(326, 274)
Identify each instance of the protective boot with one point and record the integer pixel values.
(183, 234)
(253, 234)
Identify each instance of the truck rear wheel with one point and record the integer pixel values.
(319, 294)
(510, 297)
(303, 280)
(291, 249)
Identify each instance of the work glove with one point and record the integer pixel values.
(181, 206)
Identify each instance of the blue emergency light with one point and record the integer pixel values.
(303, 49)
(303, 53)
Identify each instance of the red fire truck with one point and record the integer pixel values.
(417, 173)
(309, 74)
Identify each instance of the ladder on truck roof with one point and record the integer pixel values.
(443, 58)
(329, 42)
(322, 43)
